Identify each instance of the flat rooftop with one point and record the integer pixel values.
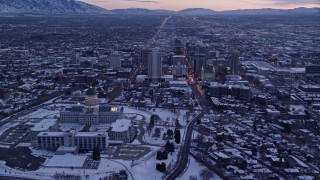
(88, 134)
(67, 160)
(51, 133)
(121, 125)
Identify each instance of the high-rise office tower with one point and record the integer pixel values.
(144, 57)
(199, 61)
(178, 48)
(234, 62)
(115, 60)
(155, 65)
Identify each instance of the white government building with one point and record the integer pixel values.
(91, 113)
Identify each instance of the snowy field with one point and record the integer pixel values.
(194, 170)
(164, 114)
(43, 125)
(41, 113)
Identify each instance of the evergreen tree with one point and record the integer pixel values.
(177, 123)
(96, 153)
(169, 133)
(243, 165)
(171, 147)
(167, 146)
(220, 137)
(163, 167)
(158, 167)
(254, 151)
(164, 155)
(157, 132)
(177, 136)
(152, 120)
(159, 155)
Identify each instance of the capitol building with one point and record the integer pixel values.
(91, 112)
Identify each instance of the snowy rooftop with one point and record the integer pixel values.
(178, 83)
(88, 134)
(67, 148)
(221, 155)
(51, 133)
(67, 160)
(121, 125)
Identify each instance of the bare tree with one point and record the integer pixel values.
(206, 174)
(200, 138)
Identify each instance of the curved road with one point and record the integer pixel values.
(184, 153)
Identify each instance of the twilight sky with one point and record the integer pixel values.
(211, 4)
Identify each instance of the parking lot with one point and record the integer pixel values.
(127, 152)
(15, 135)
(20, 158)
(91, 164)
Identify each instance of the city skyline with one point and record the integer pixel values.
(214, 5)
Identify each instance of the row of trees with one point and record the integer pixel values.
(163, 155)
(154, 119)
(170, 135)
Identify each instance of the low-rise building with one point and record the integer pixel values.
(82, 140)
(122, 130)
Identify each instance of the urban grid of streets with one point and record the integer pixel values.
(261, 122)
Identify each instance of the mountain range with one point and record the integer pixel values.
(48, 7)
(59, 7)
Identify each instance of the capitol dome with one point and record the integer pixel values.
(91, 100)
(91, 92)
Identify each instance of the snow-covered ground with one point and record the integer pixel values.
(144, 168)
(41, 113)
(130, 110)
(165, 115)
(153, 140)
(43, 125)
(194, 169)
(147, 169)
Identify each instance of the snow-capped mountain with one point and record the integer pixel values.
(204, 11)
(78, 7)
(140, 11)
(275, 11)
(196, 11)
(48, 7)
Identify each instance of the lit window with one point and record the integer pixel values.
(114, 109)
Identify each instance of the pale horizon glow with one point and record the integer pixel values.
(218, 5)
